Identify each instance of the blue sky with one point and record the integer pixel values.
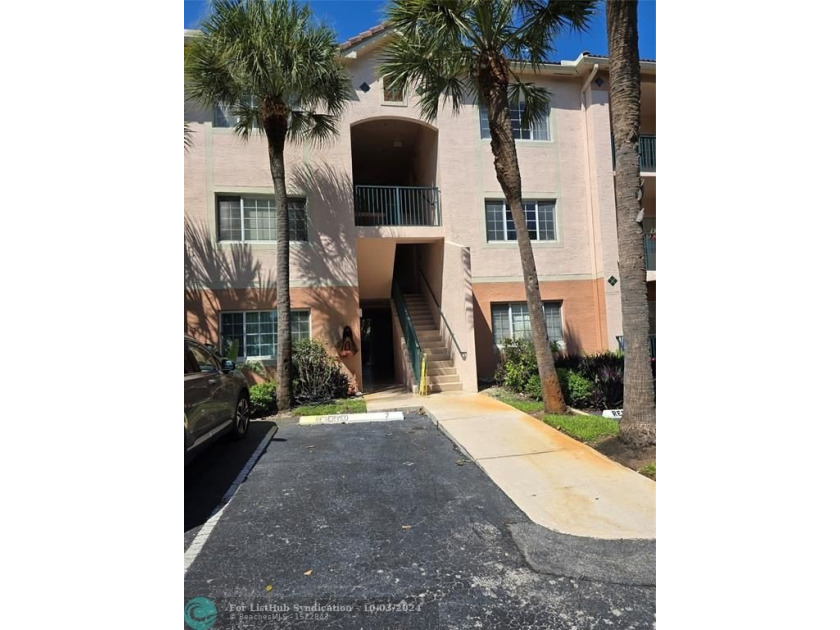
(351, 17)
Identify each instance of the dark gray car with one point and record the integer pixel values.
(216, 399)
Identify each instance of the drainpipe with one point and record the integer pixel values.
(600, 307)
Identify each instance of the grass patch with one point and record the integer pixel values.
(649, 470)
(518, 402)
(346, 405)
(584, 428)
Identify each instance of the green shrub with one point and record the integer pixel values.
(592, 364)
(263, 399)
(577, 389)
(316, 375)
(608, 388)
(533, 387)
(518, 364)
(255, 366)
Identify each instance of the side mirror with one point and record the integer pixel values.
(228, 365)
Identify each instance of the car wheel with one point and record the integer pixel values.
(242, 418)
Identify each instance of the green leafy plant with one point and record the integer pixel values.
(255, 366)
(518, 364)
(577, 389)
(533, 387)
(263, 399)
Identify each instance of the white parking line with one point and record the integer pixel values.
(204, 533)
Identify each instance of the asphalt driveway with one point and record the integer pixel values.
(388, 525)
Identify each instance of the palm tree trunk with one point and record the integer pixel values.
(638, 424)
(275, 124)
(492, 76)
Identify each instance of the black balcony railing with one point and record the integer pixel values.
(397, 206)
(650, 252)
(647, 153)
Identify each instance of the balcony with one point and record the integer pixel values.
(651, 344)
(397, 206)
(647, 154)
(650, 252)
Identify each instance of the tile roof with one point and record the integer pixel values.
(364, 36)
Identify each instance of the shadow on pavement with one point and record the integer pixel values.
(210, 475)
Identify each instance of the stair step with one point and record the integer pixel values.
(435, 379)
(440, 371)
(436, 364)
(445, 387)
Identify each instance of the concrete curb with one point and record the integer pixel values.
(452, 439)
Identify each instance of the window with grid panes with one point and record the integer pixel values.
(537, 131)
(512, 321)
(247, 219)
(539, 218)
(256, 331)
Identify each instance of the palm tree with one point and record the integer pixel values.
(638, 424)
(279, 74)
(463, 50)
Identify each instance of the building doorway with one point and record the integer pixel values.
(377, 347)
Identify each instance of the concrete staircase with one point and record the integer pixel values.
(439, 365)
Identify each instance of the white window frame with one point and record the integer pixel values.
(242, 198)
(561, 343)
(223, 108)
(243, 347)
(308, 312)
(508, 238)
(482, 113)
(384, 101)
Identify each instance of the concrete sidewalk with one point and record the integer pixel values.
(557, 481)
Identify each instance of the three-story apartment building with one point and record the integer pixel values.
(400, 235)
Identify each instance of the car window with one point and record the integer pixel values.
(205, 360)
(190, 366)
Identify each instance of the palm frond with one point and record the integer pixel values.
(267, 50)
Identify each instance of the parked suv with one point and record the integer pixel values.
(216, 399)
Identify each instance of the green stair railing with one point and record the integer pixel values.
(411, 341)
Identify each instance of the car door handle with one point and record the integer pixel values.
(211, 381)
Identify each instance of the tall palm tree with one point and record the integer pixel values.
(279, 74)
(464, 50)
(638, 424)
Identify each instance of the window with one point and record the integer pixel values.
(391, 94)
(224, 117)
(202, 356)
(539, 217)
(511, 321)
(537, 131)
(256, 332)
(255, 219)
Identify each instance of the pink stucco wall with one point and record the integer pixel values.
(574, 168)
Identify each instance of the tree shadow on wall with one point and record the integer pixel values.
(208, 268)
(329, 258)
